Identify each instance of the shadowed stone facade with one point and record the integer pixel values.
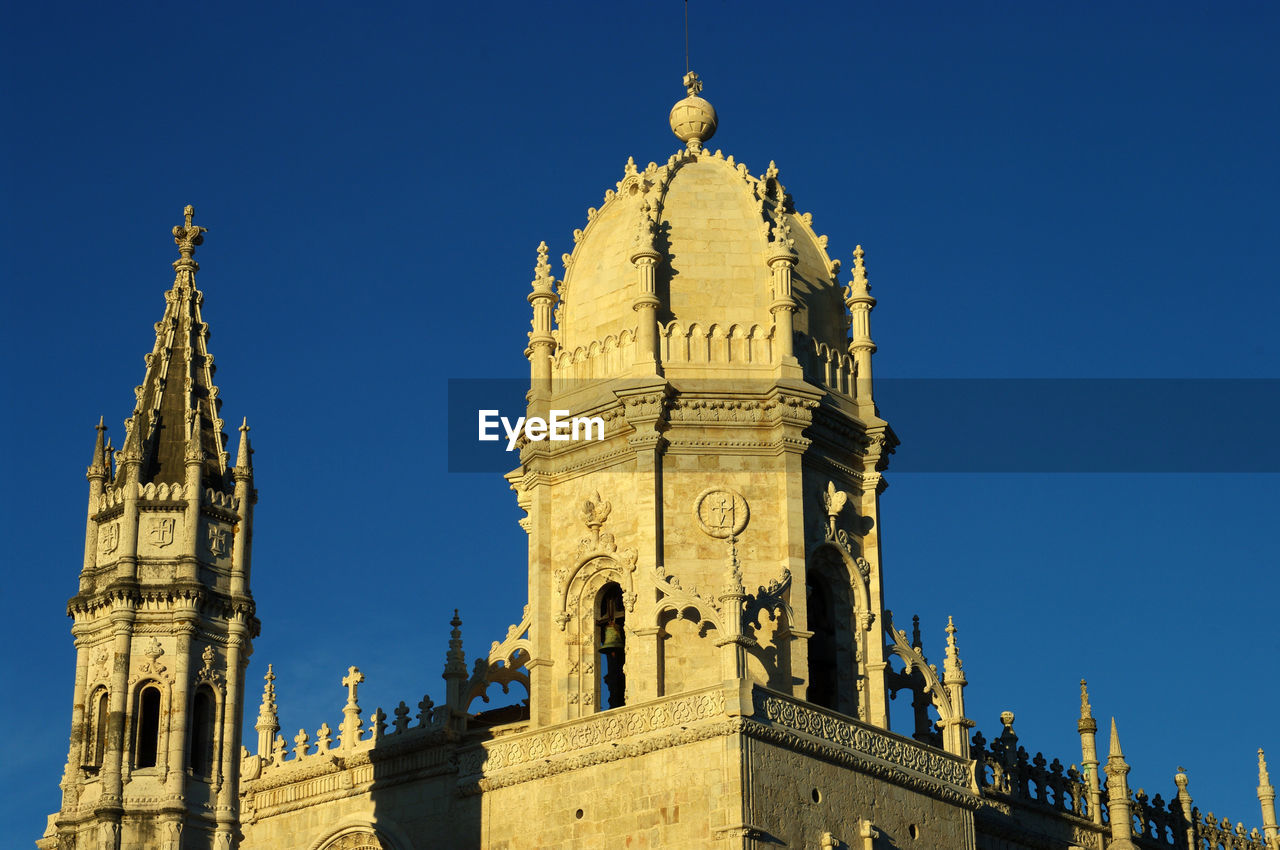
(706, 649)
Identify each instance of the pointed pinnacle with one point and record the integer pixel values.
(1115, 751)
(99, 462)
(244, 453)
(1086, 710)
(1264, 778)
(195, 451)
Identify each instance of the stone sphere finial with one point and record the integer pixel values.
(693, 119)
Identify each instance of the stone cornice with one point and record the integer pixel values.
(798, 726)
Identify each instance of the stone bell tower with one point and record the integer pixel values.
(163, 620)
(701, 319)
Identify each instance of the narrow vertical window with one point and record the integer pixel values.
(611, 643)
(822, 647)
(202, 721)
(148, 725)
(98, 706)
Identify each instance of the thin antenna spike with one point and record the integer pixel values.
(686, 36)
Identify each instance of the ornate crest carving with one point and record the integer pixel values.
(152, 667)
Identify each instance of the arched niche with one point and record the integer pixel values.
(837, 606)
(583, 632)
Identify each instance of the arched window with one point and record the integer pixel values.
(823, 674)
(147, 741)
(203, 714)
(96, 723)
(611, 644)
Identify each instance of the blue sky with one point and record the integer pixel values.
(1045, 190)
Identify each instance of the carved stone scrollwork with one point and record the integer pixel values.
(505, 663)
(914, 659)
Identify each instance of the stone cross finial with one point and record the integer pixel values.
(188, 236)
(352, 680)
(351, 723)
(692, 83)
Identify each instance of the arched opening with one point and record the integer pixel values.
(147, 742)
(202, 726)
(823, 674)
(96, 746)
(611, 645)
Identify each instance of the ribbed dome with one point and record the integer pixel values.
(715, 226)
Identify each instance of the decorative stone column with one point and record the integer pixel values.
(1088, 728)
(1267, 798)
(645, 259)
(781, 257)
(857, 297)
(541, 341)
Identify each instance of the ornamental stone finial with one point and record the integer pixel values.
(187, 236)
(953, 667)
(693, 119)
(692, 83)
(542, 269)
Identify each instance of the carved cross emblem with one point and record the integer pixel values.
(161, 532)
(110, 537)
(217, 540)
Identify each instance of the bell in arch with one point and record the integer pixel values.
(612, 640)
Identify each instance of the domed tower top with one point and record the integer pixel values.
(695, 264)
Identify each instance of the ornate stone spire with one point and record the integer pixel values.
(542, 342)
(178, 385)
(268, 720)
(1118, 795)
(693, 119)
(455, 658)
(952, 667)
(1267, 798)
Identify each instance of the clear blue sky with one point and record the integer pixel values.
(1044, 190)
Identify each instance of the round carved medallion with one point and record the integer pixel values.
(721, 512)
